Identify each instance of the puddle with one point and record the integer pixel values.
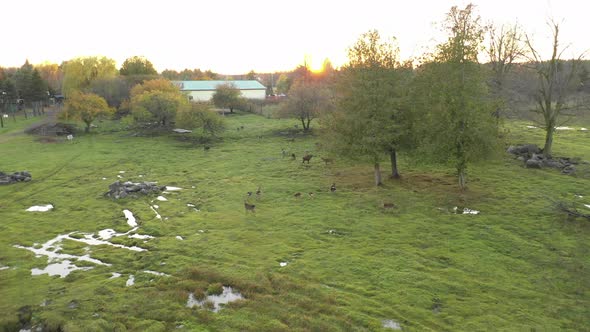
(61, 269)
(130, 281)
(178, 237)
(283, 264)
(564, 128)
(391, 324)
(40, 208)
(115, 275)
(173, 188)
(218, 301)
(156, 212)
(130, 218)
(464, 211)
(161, 198)
(156, 273)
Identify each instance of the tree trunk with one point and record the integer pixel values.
(1, 120)
(394, 172)
(87, 129)
(308, 121)
(462, 172)
(303, 123)
(377, 175)
(231, 109)
(548, 142)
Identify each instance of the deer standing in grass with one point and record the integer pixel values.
(249, 207)
(307, 158)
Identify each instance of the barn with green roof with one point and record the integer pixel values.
(203, 90)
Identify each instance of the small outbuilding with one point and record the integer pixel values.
(204, 90)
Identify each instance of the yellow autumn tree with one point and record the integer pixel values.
(85, 107)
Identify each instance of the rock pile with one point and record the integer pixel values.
(120, 189)
(532, 157)
(23, 176)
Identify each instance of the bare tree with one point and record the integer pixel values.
(506, 46)
(556, 79)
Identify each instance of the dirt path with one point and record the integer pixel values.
(50, 116)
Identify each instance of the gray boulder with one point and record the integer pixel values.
(534, 163)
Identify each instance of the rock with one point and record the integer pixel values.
(568, 169)
(534, 163)
(130, 189)
(521, 158)
(23, 176)
(554, 163)
(527, 149)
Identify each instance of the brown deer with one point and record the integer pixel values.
(307, 158)
(388, 206)
(327, 160)
(258, 193)
(333, 187)
(297, 195)
(249, 207)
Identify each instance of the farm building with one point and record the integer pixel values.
(203, 90)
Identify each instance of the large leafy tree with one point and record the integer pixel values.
(157, 100)
(199, 115)
(137, 65)
(369, 122)
(451, 90)
(227, 96)
(305, 102)
(85, 107)
(80, 72)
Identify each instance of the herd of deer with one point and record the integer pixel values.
(252, 207)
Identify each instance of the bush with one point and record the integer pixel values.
(200, 116)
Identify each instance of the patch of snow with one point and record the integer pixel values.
(156, 212)
(61, 269)
(119, 176)
(178, 237)
(90, 240)
(531, 127)
(121, 172)
(140, 175)
(51, 249)
(130, 281)
(190, 205)
(564, 128)
(4, 268)
(587, 205)
(115, 275)
(470, 211)
(583, 129)
(391, 324)
(104, 178)
(130, 218)
(283, 264)
(141, 236)
(181, 131)
(106, 234)
(579, 196)
(156, 206)
(156, 273)
(40, 208)
(161, 198)
(218, 301)
(173, 188)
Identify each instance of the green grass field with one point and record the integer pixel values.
(351, 265)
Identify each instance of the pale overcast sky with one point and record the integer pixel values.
(233, 37)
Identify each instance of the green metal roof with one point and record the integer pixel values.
(212, 85)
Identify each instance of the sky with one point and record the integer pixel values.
(236, 36)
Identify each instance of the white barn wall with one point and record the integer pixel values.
(207, 95)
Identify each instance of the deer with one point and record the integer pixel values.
(333, 187)
(258, 193)
(327, 160)
(249, 207)
(297, 195)
(307, 158)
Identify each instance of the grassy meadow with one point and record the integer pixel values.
(350, 264)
